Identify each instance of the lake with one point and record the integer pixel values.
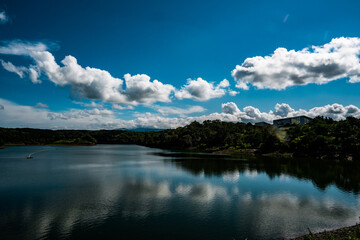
(134, 192)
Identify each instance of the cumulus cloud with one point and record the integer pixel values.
(334, 111)
(96, 84)
(182, 112)
(224, 83)
(140, 89)
(201, 90)
(252, 114)
(230, 108)
(249, 113)
(41, 105)
(3, 17)
(90, 83)
(283, 110)
(319, 64)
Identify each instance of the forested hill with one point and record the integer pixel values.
(322, 138)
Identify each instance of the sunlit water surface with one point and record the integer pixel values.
(134, 192)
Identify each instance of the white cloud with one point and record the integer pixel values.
(94, 105)
(20, 71)
(157, 121)
(140, 89)
(76, 113)
(230, 108)
(96, 84)
(91, 104)
(182, 112)
(318, 64)
(3, 17)
(283, 110)
(18, 47)
(120, 107)
(335, 111)
(90, 83)
(233, 93)
(15, 115)
(252, 114)
(201, 90)
(34, 74)
(41, 105)
(224, 83)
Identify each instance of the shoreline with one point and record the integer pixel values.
(350, 232)
(249, 153)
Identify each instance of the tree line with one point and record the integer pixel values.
(321, 138)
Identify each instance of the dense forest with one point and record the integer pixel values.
(322, 138)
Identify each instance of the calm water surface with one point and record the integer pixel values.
(134, 192)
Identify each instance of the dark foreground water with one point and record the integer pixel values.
(134, 192)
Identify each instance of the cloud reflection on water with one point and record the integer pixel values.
(248, 203)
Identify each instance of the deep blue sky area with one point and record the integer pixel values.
(172, 41)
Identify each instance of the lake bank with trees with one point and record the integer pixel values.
(322, 138)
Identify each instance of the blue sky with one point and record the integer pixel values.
(172, 42)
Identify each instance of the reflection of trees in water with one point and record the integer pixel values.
(344, 175)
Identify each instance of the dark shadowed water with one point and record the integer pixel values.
(134, 192)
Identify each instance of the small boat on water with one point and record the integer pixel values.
(30, 156)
